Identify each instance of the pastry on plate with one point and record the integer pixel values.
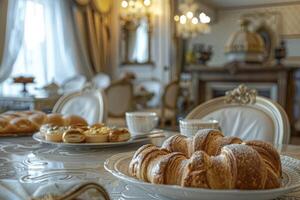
(97, 135)
(73, 136)
(97, 125)
(80, 127)
(55, 133)
(209, 160)
(118, 135)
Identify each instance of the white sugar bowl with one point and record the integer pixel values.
(189, 127)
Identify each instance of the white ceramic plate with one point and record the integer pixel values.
(40, 138)
(118, 166)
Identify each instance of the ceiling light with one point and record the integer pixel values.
(182, 19)
(189, 14)
(124, 4)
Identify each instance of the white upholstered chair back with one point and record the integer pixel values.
(119, 97)
(89, 103)
(101, 80)
(155, 87)
(73, 84)
(243, 114)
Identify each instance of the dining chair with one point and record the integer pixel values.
(101, 80)
(120, 100)
(90, 104)
(155, 87)
(73, 84)
(168, 108)
(242, 113)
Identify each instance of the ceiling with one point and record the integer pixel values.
(244, 3)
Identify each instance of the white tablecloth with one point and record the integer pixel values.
(28, 168)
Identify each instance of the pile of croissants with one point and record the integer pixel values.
(209, 160)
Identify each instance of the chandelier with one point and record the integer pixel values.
(134, 10)
(189, 23)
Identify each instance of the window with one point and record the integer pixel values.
(43, 53)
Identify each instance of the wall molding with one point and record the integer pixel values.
(288, 3)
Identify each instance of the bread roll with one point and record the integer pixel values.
(5, 126)
(22, 124)
(38, 118)
(74, 120)
(55, 119)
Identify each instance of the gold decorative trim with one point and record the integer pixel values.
(75, 192)
(290, 36)
(82, 2)
(259, 6)
(241, 95)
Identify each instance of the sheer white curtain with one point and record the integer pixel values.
(11, 34)
(49, 49)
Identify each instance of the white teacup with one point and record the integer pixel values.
(141, 123)
(189, 127)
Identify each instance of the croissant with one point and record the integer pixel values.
(209, 160)
(16, 122)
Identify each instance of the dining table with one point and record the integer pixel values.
(29, 168)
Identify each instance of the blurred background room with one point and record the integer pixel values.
(165, 56)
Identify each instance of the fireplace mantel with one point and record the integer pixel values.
(276, 82)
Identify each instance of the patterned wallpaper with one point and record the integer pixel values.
(288, 25)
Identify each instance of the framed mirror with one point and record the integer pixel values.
(136, 41)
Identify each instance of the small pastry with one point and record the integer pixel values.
(55, 133)
(119, 135)
(73, 136)
(98, 125)
(80, 127)
(44, 128)
(97, 135)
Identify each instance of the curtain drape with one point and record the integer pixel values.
(62, 41)
(12, 22)
(93, 33)
(52, 52)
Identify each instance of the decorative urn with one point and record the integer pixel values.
(245, 46)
